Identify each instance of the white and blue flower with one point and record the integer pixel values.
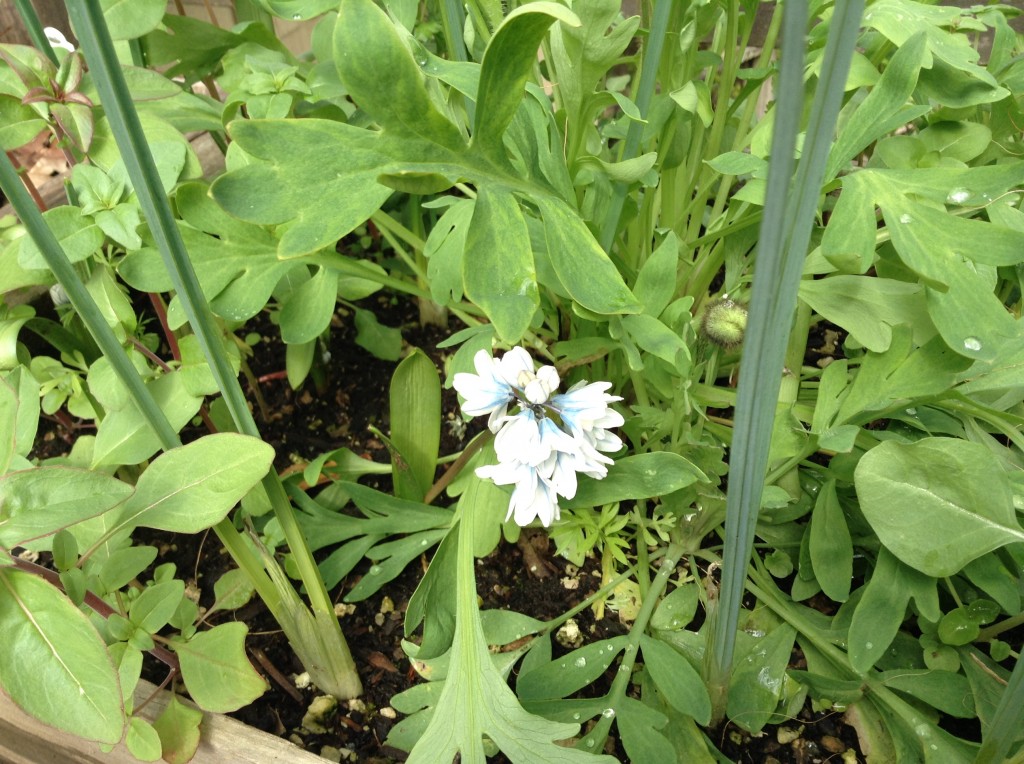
(542, 446)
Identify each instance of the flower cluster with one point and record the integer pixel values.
(549, 439)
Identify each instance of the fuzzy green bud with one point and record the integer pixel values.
(724, 322)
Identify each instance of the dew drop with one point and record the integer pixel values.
(972, 343)
(868, 645)
(375, 570)
(610, 648)
(958, 196)
(580, 662)
(912, 411)
(590, 744)
(905, 218)
(576, 716)
(608, 713)
(296, 17)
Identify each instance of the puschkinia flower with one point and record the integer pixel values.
(548, 440)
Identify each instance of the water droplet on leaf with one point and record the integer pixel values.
(580, 662)
(958, 196)
(905, 218)
(972, 343)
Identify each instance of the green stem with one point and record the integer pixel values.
(595, 739)
(322, 645)
(34, 27)
(644, 93)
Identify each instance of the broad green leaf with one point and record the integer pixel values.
(385, 342)
(639, 476)
(908, 490)
(639, 727)
(193, 487)
(367, 44)
(583, 268)
(509, 59)
(899, 376)
(307, 311)
(677, 681)
(415, 403)
(156, 605)
(128, 19)
(757, 679)
(868, 308)
(232, 590)
(125, 436)
(39, 502)
(963, 141)
(77, 236)
(54, 665)
(217, 671)
(178, 728)
(885, 107)
(290, 153)
(574, 670)
(236, 262)
(652, 335)
(142, 740)
(655, 283)
(831, 545)
(19, 123)
(497, 267)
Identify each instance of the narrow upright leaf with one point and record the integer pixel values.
(498, 268)
(415, 424)
(508, 61)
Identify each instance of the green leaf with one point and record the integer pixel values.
(831, 545)
(584, 269)
(126, 437)
(385, 342)
(128, 19)
(639, 476)
(142, 740)
(639, 724)
(498, 269)
(77, 237)
(677, 681)
(306, 312)
(292, 152)
(868, 307)
(193, 487)
(216, 671)
(54, 665)
(757, 679)
(569, 673)
(475, 700)
(907, 491)
(652, 335)
(178, 728)
(415, 403)
(367, 43)
(232, 590)
(156, 605)
(39, 502)
(509, 59)
(236, 262)
(655, 283)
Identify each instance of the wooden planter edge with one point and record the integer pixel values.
(26, 740)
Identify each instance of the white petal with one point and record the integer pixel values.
(519, 439)
(512, 363)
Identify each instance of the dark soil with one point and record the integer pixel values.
(526, 578)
